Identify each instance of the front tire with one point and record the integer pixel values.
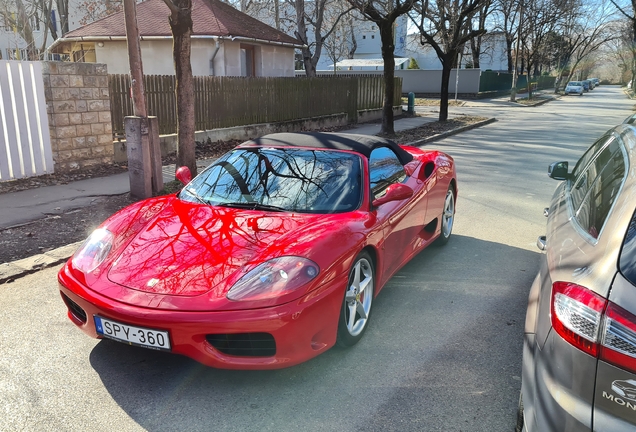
(356, 306)
(448, 217)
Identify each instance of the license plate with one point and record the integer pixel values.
(132, 335)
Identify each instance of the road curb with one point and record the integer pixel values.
(11, 271)
(451, 132)
(541, 102)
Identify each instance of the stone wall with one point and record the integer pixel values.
(78, 107)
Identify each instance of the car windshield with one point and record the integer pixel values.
(574, 83)
(277, 179)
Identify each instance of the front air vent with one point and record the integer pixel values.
(74, 309)
(244, 344)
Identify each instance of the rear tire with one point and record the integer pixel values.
(447, 218)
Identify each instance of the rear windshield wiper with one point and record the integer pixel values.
(251, 206)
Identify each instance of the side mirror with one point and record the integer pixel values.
(395, 192)
(183, 175)
(558, 171)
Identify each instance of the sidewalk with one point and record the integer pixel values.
(19, 208)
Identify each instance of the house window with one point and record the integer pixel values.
(372, 36)
(364, 36)
(247, 61)
(84, 55)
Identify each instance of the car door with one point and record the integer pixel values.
(400, 220)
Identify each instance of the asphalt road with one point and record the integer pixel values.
(442, 352)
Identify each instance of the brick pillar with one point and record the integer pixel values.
(78, 105)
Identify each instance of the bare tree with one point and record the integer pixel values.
(506, 14)
(620, 51)
(484, 11)
(341, 43)
(586, 30)
(22, 16)
(541, 18)
(181, 25)
(97, 9)
(265, 10)
(447, 27)
(630, 14)
(310, 19)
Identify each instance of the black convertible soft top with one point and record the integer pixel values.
(362, 144)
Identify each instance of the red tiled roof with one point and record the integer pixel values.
(209, 17)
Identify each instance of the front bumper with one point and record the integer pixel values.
(301, 329)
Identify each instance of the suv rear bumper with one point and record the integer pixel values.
(552, 394)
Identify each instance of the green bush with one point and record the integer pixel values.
(413, 64)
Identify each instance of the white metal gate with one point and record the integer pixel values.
(25, 143)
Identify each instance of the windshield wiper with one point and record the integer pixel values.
(196, 196)
(251, 206)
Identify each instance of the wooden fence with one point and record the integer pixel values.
(237, 101)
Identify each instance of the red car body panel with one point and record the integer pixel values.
(173, 262)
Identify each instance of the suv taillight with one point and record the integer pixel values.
(576, 315)
(618, 345)
(594, 325)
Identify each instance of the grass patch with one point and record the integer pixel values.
(171, 187)
(432, 102)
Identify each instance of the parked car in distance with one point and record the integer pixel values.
(270, 256)
(574, 87)
(579, 348)
(596, 81)
(586, 85)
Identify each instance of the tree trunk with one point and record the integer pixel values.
(301, 34)
(62, 11)
(475, 47)
(181, 25)
(388, 48)
(511, 63)
(443, 97)
(134, 59)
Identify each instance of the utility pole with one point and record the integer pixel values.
(134, 57)
(459, 65)
(513, 91)
(142, 132)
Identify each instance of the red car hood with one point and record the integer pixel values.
(189, 249)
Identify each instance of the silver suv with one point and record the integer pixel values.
(579, 352)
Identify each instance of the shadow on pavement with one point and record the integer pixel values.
(433, 358)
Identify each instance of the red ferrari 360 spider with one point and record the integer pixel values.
(270, 256)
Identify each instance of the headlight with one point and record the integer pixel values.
(274, 278)
(94, 250)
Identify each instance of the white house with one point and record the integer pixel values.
(493, 53)
(14, 47)
(225, 42)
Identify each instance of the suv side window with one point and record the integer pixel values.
(596, 205)
(589, 155)
(589, 167)
(384, 170)
(627, 261)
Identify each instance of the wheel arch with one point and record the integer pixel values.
(453, 184)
